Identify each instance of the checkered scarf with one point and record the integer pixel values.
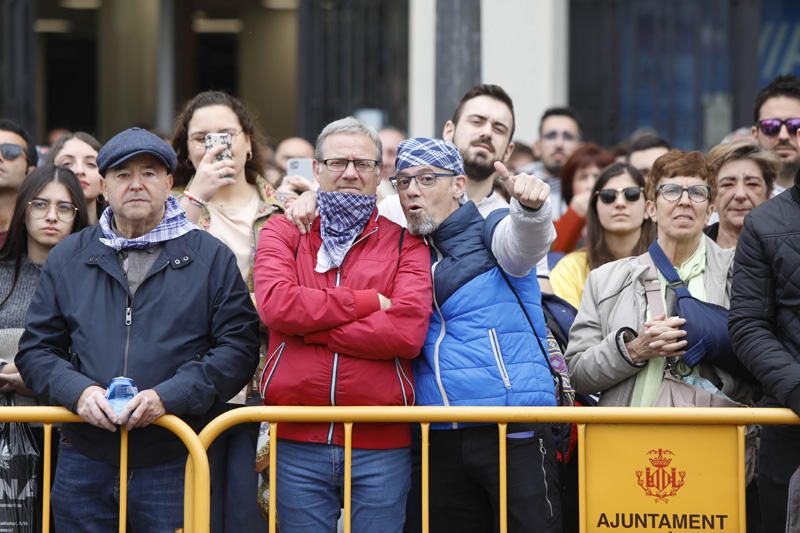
(426, 151)
(173, 225)
(342, 218)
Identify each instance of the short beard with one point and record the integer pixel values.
(421, 224)
(554, 170)
(478, 172)
(790, 171)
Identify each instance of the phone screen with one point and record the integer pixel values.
(300, 167)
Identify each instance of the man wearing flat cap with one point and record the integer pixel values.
(486, 342)
(144, 296)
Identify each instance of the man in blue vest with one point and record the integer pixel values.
(485, 344)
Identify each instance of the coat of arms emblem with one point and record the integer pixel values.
(661, 480)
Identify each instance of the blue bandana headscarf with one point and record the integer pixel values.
(434, 152)
(425, 151)
(172, 225)
(342, 218)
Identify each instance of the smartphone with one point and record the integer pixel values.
(300, 167)
(215, 139)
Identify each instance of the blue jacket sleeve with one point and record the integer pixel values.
(44, 360)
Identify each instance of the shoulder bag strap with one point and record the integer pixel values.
(660, 260)
(652, 287)
(545, 353)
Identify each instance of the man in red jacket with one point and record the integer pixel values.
(347, 302)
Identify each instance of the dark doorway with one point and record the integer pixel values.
(217, 67)
(71, 89)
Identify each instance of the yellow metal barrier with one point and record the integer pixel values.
(199, 490)
(196, 511)
(495, 415)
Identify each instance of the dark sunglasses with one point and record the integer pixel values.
(11, 151)
(772, 126)
(609, 196)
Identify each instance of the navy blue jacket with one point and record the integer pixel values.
(480, 348)
(191, 334)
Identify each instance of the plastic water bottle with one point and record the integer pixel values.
(120, 391)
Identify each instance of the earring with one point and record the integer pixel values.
(249, 155)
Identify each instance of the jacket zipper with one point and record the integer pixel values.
(364, 237)
(128, 324)
(336, 354)
(543, 451)
(442, 333)
(279, 352)
(335, 367)
(498, 357)
(403, 376)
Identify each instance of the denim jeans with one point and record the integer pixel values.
(310, 488)
(85, 495)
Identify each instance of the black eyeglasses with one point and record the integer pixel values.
(772, 126)
(424, 180)
(672, 192)
(65, 211)
(340, 165)
(11, 151)
(609, 196)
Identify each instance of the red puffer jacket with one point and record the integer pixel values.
(329, 342)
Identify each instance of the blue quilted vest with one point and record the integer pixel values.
(480, 349)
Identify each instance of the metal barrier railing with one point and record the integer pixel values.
(197, 491)
(502, 416)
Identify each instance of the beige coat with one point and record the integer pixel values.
(614, 298)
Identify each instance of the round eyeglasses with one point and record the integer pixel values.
(65, 211)
(672, 192)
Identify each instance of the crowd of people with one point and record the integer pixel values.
(404, 271)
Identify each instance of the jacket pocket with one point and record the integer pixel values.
(267, 373)
(498, 357)
(409, 398)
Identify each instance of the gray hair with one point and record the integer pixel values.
(349, 125)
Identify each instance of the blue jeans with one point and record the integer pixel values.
(85, 495)
(310, 488)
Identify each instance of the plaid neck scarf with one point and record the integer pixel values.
(342, 218)
(173, 225)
